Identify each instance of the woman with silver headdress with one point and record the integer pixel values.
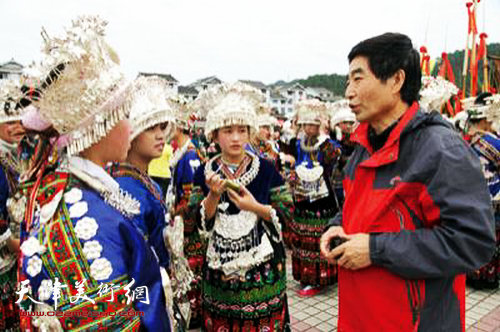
(81, 251)
(152, 119)
(316, 157)
(342, 125)
(11, 132)
(242, 199)
(184, 163)
(483, 114)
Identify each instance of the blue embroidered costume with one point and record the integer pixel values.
(487, 147)
(151, 220)
(9, 312)
(82, 237)
(184, 164)
(315, 205)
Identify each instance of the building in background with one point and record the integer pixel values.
(189, 93)
(11, 69)
(205, 83)
(171, 81)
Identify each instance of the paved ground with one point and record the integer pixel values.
(319, 313)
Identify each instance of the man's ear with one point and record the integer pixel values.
(397, 80)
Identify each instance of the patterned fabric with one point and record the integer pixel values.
(308, 267)
(312, 216)
(87, 239)
(249, 303)
(151, 220)
(9, 312)
(282, 202)
(487, 147)
(254, 300)
(118, 170)
(194, 245)
(265, 150)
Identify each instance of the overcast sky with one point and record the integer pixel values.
(264, 40)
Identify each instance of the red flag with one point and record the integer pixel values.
(446, 70)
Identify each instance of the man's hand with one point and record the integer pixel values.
(326, 238)
(355, 253)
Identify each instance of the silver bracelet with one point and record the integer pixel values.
(276, 223)
(203, 231)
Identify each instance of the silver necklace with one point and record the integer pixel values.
(247, 177)
(315, 147)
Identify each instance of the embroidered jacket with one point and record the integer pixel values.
(82, 238)
(151, 220)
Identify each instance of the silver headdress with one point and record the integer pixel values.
(183, 112)
(493, 111)
(435, 92)
(310, 111)
(10, 95)
(229, 104)
(84, 92)
(340, 112)
(152, 104)
(264, 117)
(477, 111)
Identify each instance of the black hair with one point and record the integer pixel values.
(389, 53)
(481, 98)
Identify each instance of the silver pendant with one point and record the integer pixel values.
(223, 206)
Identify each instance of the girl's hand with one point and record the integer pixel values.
(244, 200)
(215, 184)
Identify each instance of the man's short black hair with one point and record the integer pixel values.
(387, 54)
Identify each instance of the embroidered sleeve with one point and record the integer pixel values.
(196, 211)
(282, 204)
(331, 152)
(195, 206)
(182, 208)
(185, 172)
(182, 204)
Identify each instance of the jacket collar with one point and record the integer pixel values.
(389, 153)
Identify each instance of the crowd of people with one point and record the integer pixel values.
(119, 196)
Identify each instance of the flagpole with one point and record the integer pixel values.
(466, 53)
(473, 67)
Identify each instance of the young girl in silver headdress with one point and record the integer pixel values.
(81, 251)
(243, 201)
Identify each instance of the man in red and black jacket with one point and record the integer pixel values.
(417, 212)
